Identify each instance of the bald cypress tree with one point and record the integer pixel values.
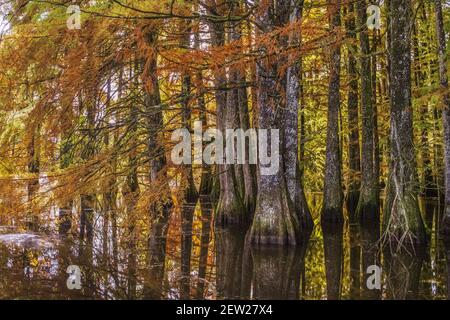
(332, 201)
(402, 219)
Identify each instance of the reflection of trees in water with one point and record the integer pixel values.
(402, 270)
(277, 271)
(230, 276)
(187, 217)
(370, 251)
(156, 256)
(207, 210)
(257, 272)
(355, 262)
(112, 268)
(333, 251)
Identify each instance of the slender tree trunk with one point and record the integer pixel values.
(402, 220)
(88, 199)
(446, 111)
(354, 163)
(376, 135)
(65, 211)
(332, 199)
(191, 194)
(230, 208)
(33, 184)
(291, 138)
(248, 188)
(419, 81)
(368, 202)
(187, 217)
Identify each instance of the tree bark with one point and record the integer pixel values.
(275, 221)
(354, 162)
(290, 127)
(368, 208)
(332, 200)
(230, 208)
(402, 220)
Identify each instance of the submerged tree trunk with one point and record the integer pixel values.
(354, 165)
(368, 208)
(446, 111)
(402, 220)
(332, 193)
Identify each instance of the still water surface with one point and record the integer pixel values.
(189, 260)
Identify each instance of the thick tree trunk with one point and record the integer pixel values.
(402, 220)
(275, 222)
(354, 163)
(368, 208)
(332, 198)
(446, 111)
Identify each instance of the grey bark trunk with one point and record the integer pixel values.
(275, 222)
(290, 126)
(402, 220)
(368, 203)
(332, 201)
(230, 208)
(354, 163)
